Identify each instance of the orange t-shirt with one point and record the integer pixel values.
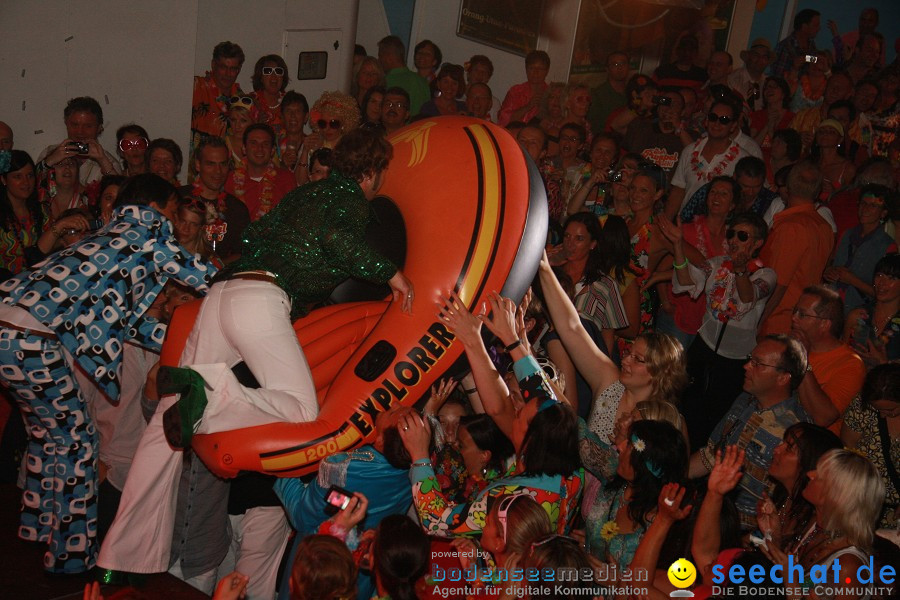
(840, 373)
(797, 249)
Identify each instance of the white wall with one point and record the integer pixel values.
(437, 20)
(138, 59)
(134, 58)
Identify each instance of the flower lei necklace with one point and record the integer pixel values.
(268, 187)
(719, 169)
(721, 299)
(216, 226)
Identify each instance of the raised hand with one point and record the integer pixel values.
(465, 325)
(670, 498)
(726, 472)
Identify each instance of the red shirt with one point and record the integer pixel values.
(251, 192)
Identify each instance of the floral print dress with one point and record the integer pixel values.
(558, 495)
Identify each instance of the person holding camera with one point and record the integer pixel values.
(660, 139)
(84, 124)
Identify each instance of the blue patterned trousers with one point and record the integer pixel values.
(59, 502)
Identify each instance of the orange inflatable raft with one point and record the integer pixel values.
(476, 221)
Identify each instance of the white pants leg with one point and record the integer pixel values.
(259, 539)
(205, 582)
(239, 319)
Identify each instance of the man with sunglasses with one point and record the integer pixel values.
(209, 107)
(836, 372)
(758, 418)
(84, 124)
(712, 155)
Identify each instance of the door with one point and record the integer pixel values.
(315, 59)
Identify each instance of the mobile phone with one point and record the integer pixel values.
(336, 499)
(95, 224)
(811, 58)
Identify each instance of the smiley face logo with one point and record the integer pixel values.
(682, 573)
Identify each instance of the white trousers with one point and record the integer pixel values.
(239, 320)
(258, 542)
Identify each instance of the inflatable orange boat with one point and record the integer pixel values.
(475, 215)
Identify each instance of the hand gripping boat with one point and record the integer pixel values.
(476, 221)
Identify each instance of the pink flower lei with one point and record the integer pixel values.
(721, 300)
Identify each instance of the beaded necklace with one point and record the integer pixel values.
(216, 225)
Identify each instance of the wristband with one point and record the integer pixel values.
(422, 462)
(512, 346)
(682, 265)
(470, 390)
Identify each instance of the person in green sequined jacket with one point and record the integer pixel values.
(294, 255)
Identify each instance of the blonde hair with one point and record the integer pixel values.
(324, 570)
(526, 522)
(340, 105)
(667, 366)
(656, 410)
(854, 493)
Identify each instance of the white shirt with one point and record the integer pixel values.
(692, 180)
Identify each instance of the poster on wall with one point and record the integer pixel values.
(647, 30)
(511, 25)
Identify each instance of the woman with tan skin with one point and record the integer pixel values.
(164, 159)
(774, 115)
(270, 78)
(847, 493)
(447, 89)
(837, 171)
(239, 119)
(369, 75)
(552, 114)
(64, 190)
(190, 222)
(292, 151)
(592, 191)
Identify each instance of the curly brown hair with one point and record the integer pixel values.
(339, 104)
(361, 152)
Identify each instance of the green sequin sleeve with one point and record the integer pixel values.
(313, 240)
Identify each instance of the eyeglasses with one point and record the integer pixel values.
(636, 358)
(799, 312)
(140, 143)
(392, 104)
(333, 124)
(240, 102)
(741, 235)
(758, 363)
(272, 71)
(503, 510)
(871, 202)
(723, 119)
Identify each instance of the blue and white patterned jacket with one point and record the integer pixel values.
(94, 294)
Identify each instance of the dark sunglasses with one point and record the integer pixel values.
(723, 119)
(741, 235)
(333, 123)
(272, 71)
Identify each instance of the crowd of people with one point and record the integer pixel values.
(705, 366)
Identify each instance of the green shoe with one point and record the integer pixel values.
(181, 418)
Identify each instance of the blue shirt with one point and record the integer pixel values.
(94, 294)
(757, 431)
